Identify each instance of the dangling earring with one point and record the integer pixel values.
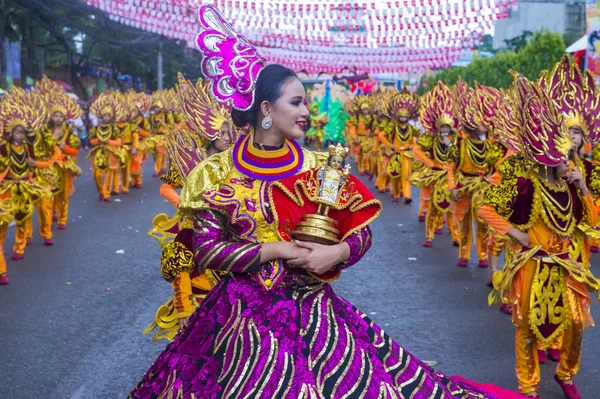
(267, 122)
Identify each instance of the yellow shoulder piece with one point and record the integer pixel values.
(206, 176)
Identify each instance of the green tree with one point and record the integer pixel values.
(541, 52)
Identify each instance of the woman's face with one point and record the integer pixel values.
(106, 118)
(58, 118)
(222, 143)
(289, 112)
(403, 119)
(336, 162)
(18, 134)
(576, 137)
(445, 129)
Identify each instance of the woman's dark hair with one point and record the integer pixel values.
(268, 88)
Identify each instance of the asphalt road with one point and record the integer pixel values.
(72, 317)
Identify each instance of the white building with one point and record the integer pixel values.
(555, 15)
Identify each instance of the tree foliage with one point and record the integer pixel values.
(543, 49)
(70, 35)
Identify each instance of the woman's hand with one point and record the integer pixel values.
(281, 250)
(521, 237)
(576, 178)
(321, 258)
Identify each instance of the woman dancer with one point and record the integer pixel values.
(273, 328)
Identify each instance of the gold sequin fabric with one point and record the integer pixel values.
(174, 259)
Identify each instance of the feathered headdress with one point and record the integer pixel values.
(202, 114)
(21, 108)
(490, 101)
(56, 99)
(573, 92)
(47, 86)
(405, 103)
(106, 103)
(230, 61)
(204, 119)
(542, 135)
(141, 102)
(437, 109)
(467, 106)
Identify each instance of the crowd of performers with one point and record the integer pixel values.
(39, 149)
(515, 170)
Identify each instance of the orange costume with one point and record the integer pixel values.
(160, 121)
(545, 281)
(68, 143)
(469, 164)
(400, 143)
(432, 149)
(142, 125)
(19, 189)
(360, 133)
(106, 155)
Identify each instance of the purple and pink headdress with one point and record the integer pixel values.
(230, 61)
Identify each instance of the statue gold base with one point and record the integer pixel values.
(318, 229)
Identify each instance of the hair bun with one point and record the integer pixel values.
(240, 118)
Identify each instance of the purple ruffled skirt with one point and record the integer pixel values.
(295, 341)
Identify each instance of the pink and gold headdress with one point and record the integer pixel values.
(490, 101)
(542, 134)
(230, 61)
(466, 103)
(405, 103)
(573, 93)
(437, 109)
(202, 114)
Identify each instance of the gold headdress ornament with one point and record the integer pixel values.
(158, 99)
(106, 103)
(204, 119)
(338, 150)
(20, 108)
(48, 87)
(202, 113)
(57, 100)
(359, 103)
(406, 104)
(141, 102)
(537, 123)
(574, 94)
(64, 104)
(123, 107)
(437, 109)
(382, 100)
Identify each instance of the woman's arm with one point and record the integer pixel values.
(213, 250)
